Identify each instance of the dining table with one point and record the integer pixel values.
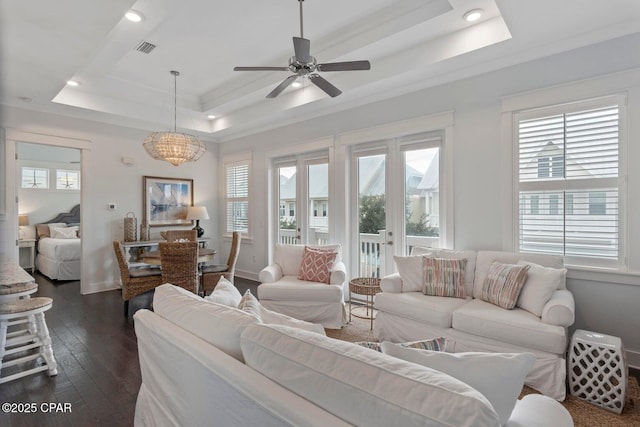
(153, 257)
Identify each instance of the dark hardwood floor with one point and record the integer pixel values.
(96, 351)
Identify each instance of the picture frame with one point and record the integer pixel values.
(166, 200)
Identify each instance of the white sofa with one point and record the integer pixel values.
(472, 324)
(192, 359)
(281, 290)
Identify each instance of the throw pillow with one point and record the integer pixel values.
(410, 269)
(64, 233)
(503, 284)
(444, 277)
(498, 376)
(541, 283)
(225, 293)
(250, 304)
(436, 344)
(316, 265)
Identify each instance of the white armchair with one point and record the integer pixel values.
(281, 290)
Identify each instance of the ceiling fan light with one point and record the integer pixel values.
(473, 15)
(73, 83)
(296, 84)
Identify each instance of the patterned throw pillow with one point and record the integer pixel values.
(503, 284)
(436, 344)
(316, 265)
(444, 277)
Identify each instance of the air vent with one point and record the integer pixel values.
(145, 47)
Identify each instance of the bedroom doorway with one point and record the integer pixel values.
(48, 188)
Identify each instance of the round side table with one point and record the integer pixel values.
(367, 287)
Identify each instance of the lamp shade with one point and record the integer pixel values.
(23, 219)
(197, 212)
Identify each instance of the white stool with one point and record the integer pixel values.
(598, 369)
(36, 336)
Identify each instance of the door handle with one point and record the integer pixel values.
(390, 243)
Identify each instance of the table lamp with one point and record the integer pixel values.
(198, 213)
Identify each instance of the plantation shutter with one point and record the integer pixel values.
(237, 197)
(568, 187)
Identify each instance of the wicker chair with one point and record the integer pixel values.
(180, 264)
(212, 273)
(135, 281)
(182, 235)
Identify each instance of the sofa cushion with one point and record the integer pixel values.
(225, 293)
(316, 265)
(498, 376)
(503, 284)
(515, 326)
(486, 258)
(422, 308)
(367, 387)
(289, 257)
(289, 288)
(217, 324)
(444, 277)
(541, 283)
(411, 272)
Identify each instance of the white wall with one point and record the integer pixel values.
(606, 303)
(107, 180)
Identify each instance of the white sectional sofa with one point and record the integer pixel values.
(203, 363)
(471, 324)
(281, 290)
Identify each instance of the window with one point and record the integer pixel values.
(237, 197)
(35, 177)
(569, 171)
(67, 179)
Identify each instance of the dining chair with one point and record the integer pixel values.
(135, 281)
(182, 235)
(212, 273)
(179, 262)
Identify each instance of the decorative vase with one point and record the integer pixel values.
(144, 231)
(130, 227)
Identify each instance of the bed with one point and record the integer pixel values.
(58, 246)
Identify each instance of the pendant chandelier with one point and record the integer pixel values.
(173, 147)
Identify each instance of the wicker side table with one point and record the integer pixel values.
(367, 287)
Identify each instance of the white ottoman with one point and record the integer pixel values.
(598, 369)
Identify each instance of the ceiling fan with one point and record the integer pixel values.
(303, 64)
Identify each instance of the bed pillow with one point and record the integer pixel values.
(225, 293)
(444, 277)
(498, 376)
(64, 232)
(316, 265)
(503, 284)
(541, 283)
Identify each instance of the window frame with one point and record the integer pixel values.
(555, 184)
(234, 199)
(67, 171)
(34, 169)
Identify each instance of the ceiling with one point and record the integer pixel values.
(411, 44)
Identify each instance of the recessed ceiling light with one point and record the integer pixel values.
(72, 83)
(134, 16)
(473, 15)
(296, 84)
(211, 116)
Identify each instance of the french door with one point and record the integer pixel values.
(303, 199)
(396, 200)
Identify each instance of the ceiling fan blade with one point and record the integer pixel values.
(344, 66)
(260, 68)
(302, 47)
(282, 86)
(323, 84)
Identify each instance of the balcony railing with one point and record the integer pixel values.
(372, 254)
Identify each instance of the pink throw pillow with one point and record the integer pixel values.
(316, 265)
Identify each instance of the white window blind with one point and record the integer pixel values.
(569, 186)
(237, 197)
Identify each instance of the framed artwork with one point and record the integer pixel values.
(166, 200)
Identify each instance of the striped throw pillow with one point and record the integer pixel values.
(444, 277)
(503, 284)
(436, 344)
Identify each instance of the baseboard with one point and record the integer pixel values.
(249, 275)
(633, 359)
